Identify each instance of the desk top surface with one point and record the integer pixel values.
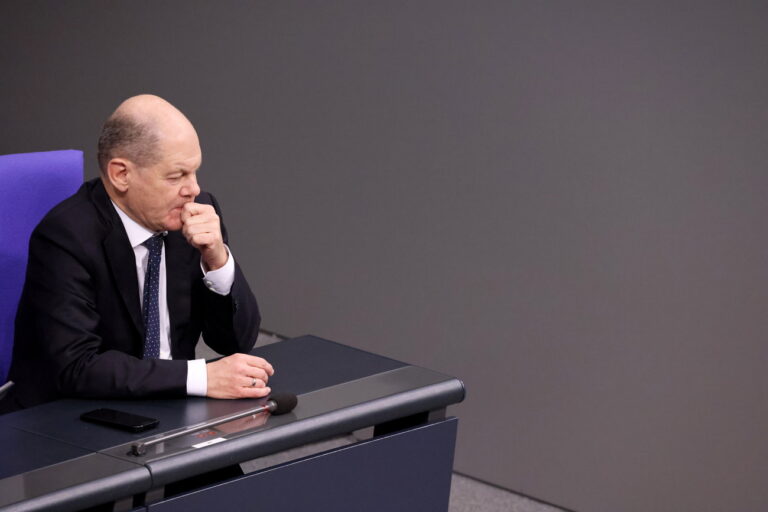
(302, 365)
(339, 388)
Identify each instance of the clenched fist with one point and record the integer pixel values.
(201, 226)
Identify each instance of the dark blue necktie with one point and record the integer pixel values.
(151, 291)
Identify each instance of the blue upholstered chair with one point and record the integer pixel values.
(30, 185)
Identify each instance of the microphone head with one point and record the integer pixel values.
(284, 402)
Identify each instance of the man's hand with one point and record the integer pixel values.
(239, 376)
(202, 229)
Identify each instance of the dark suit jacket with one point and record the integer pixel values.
(79, 329)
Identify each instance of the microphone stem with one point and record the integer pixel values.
(140, 448)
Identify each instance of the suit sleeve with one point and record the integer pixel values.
(230, 322)
(61, 324)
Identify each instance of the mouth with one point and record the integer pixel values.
(181, 206)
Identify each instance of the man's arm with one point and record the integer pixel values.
(231, 317)
(230, 321)
(59, 325)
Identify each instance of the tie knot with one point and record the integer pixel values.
(154, 242)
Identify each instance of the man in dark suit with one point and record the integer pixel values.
(125, 275)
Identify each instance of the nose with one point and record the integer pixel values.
(190, 189)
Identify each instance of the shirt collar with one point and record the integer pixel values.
(137, 234)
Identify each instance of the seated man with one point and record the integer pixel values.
(125, 275)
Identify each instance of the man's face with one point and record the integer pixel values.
(158, 192)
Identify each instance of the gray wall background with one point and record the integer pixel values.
(563, 203)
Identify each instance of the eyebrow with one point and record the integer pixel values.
(185, 167)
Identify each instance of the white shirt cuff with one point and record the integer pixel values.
(197, 378)
(220, 280)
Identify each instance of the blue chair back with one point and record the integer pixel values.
(30, 185)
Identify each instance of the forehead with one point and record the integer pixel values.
(190, 163)
(184, 155)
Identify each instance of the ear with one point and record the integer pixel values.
(118, 170)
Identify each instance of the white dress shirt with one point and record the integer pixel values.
(219, 281)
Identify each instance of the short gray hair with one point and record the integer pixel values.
(122, 136)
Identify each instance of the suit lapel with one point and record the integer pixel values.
(122, 262)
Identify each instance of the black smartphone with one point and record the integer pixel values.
(120, 419)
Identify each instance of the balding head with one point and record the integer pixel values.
(149, 155)
(138, 129)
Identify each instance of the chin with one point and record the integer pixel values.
(172, 225)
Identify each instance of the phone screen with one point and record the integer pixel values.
(120, 419)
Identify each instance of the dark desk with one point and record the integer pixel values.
(51, 459)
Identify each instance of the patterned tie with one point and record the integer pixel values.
(151, 290)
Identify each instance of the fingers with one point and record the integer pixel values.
(249, 392)
(191, 209)
(239, 376)
(200, 219)
(202, 216)
(201, 227)
(254, 382)
(258, 374)
(258, 362)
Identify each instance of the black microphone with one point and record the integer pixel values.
(281, 403)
